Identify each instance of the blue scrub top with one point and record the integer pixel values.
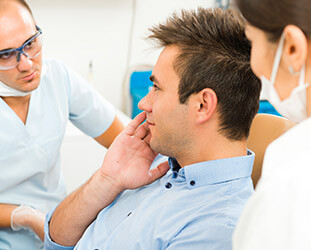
(29, 153)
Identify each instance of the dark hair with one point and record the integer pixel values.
(21, 2)
(272, 16)
(214, 53)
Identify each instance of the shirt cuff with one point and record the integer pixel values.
(48, 243)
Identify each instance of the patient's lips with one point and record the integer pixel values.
(150, 123)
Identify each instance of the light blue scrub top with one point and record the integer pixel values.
(29, 154)
(194, 209)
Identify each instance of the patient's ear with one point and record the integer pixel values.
(206, 103)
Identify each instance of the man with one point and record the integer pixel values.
(36, 100)
(199, 113)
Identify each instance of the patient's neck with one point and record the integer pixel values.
(218, 148)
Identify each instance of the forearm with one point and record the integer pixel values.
(5, 214)
(37, 227)
(36, 223)
(107, 138)
(78, 210)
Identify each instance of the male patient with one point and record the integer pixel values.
(198, 113)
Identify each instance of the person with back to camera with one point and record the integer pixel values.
(36, 100)
(277, 216)
(199, 112)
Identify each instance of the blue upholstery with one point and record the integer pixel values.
(267, 108)
(139, 87)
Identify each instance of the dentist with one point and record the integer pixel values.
(36, 100)
(278, 215)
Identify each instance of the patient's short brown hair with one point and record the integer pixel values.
(214, 53)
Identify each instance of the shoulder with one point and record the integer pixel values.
(56, 75)
(52, 66)
(55, 80)
(209, 231)
(54, 71)
(292, 149)
(219, 209)
(53, 62)
(301, 131)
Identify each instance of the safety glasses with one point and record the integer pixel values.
(10, 58)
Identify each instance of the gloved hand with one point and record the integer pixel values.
(26, 217)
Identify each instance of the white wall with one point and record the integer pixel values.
(78, 32)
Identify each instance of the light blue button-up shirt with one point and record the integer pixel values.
(194, 208)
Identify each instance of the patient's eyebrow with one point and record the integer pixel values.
(153, 79)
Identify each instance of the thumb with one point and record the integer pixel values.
(159, 171)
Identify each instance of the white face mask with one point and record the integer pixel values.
(5, 90)
(295, 106)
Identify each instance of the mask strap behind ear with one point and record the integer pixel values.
(277, 59)
(302, 75)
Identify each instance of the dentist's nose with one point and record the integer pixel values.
(25, 63)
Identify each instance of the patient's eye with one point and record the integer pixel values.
(155, 87)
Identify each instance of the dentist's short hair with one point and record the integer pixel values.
(214, 53)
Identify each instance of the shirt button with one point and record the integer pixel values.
(192, 183)
(168, 185)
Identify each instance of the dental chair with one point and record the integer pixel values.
(264, 129)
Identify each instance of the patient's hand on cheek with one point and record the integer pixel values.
(128, 160)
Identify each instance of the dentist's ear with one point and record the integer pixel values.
(295, 48)
(206, 101)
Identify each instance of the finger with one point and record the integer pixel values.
(142, 131)
(133, 125)
(147, 138)
(159, 171)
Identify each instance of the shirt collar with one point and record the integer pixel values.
(216, 171)
(174, 166)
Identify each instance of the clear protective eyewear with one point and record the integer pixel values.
(10, 58)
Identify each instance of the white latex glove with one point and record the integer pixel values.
(26, 217)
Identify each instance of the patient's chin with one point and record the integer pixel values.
(155, 146)
(161, 148)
